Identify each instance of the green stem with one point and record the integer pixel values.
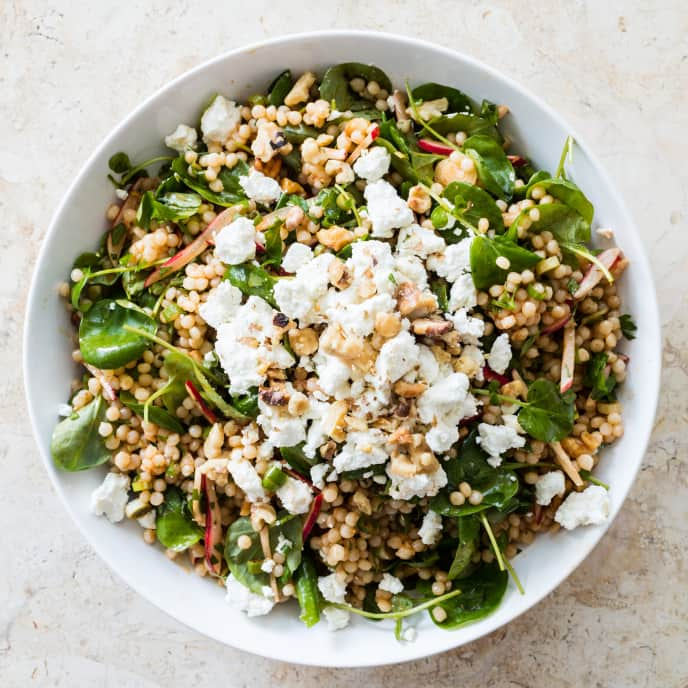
(568, 145)
(515, 465)
(152, 398)
(512, 573)
(587, 475)
(500, 397)
(349, 197)
(449, 207)
(417, 118)
(400, 614)
(135, 170)
(583, 252)
(493, 541)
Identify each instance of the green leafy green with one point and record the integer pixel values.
(484, 253)
(495, 171)
(196, 181)
(103, 340)
(458, 101)
(247, 403)
(299, 133)
(279, 88)
(567, 192)
(120, 164)
(252, 280)
(469, 531)
(400, 162)
(489, 111)
(628, 326)
(473, 203)
(307, 593)
(156, 414)
(76, 444)
(295, 457)
(335, 87)
(599, 378)
(169, 207)
(174, 527)
(273, 246)
(439, 288)
(471, 125)
(548, 414)
(565, 223)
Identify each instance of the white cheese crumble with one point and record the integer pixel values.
(397, 357)
(220, 119)
(236, 243)
(182, 138)
(587, 508)
(296, 257)
(453, 262)
(470, 329)
(409, 634)
(386, 210)
(267, 566)
(419, 485)
(500, 354)
(281, 428)
(260, 188)
(295, 495)
(332, 589)
(549, 486)
(110, 497)
(391, 583)
(419, 241)
(221, 305)
(336, 618)
(318, 473)
(431, 528)
(373, 164)
(494, 440)
(362, 449)
(148, 520)
(245, 600)
(463, 293)
(247, 479)
(298, 297)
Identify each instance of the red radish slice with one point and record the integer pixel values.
(554, 327)
(108, 390)
(594, 274)
(568, 357)
(196, 395)
(469, 419)
(490, 374)
(213, 527)
(260, 249)
(375, 132)
(195, 248)
(430, 146)
(312, 515)
(517, 160)
(298, 476)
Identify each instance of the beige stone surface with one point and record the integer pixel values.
(69, 71)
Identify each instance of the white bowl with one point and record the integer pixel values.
(79, 222)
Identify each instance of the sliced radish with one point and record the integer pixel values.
(195, 248)
(490, 374)
(375, 132)
(298, 476)
(430, 146)
(213, 527)
(260, 249)
(108, 390)
(568, 357)
(594, 274)
(554, 327)
(312, 515)
(196, 395)
(517, 160)
(372, 134)
(469, 419)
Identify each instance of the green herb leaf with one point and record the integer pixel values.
(599, 378)
(548, 414)
(495, 171)
(484, 253)
(565, 223)
(279, 88)
(628, 326)
(252, 280)
(472, 125)
(568, 193)
(458, 101)
(156, 414)
(439, 288)
(335, 87)
(307, 593)
(473, 203)
(196, 181)
(469, 530)
(174, 527)
(273, 246)
(295, 457)
(169, 207)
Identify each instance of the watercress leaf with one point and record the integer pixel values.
(174, 527)
(484, 253)
(76, 444)
(279, 88)
(77, 288)
(400, 163)
(470, 124)
(458, 101)
(469, 529)
(290, 527)
(497, 491)
(296, 135)
(439, 288)
(119, 163)
(567, 192)
(475, 203)
(495, 171)
(565, 223)
(307, 593)
(247, 403)
(489, 112)
(335, 85)
(252, 280)
(103, 340)
(599, 378)
(273, 246)
(549, 415)
(424, 163)
(196, 181)
(295, 457)
(156, 414)
(169, 207)
(389, 131)
(628, 326)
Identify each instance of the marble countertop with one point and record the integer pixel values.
(618, 70)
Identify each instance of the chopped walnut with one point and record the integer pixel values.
(387, 325)
(413, 303)
(451, 170)
(328, 450)
(335, 238)
(300, 90)
(261, 146)
(291, 187)
(333, 422)
(339, 274)
(408, 390)
(274, 396)
(295, 216)
(418, 200)
(298, 403)
(304, 342)
(426, 327)
(336, 343)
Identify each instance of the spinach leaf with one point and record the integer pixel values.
(279, 88)
(174, 527)
(120, 164)
(103, 340)
(252, 280)
(567, 192)
(628, 326)
(359, 473)
(481, 594)
(76, 444)
(247, 403)
(156, 414)
(335, 211)
(599, 379)
(273, 246)
(400, 163)
(244, 564)
(548, 415)
(296, 135)
(469, 530)
(484, 253)
(439, 288)
(335, 84)
(474, 203)
(424, 163)
(307, 593)
(196, 181)
(495, 171)
(471, 125)
(169, 207)
(295, 457)
(565, 223)
(489, 111)
(458, 101)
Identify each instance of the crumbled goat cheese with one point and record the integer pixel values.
(236, 243)
(246, 477)
(221, 305)
(470, 329)
(373, 164)
(295, 495)
(260, 188)
(453, 262)
(419, 485)
(431, 528)
(428, 367)
(511, 421)
(359, 318)
(332, 589)
(267, 566)
(122, 194)
(280, 427)
(386, 209)
(336, 618)
(419, 241)
(494, 440)
(220, 119)
(409, 634)
(243, 599)
(318, 473)
(333, 375)
(391, 583)
(296, 257)
(362, 449)
(549, 486)
(397, 357)
(111, 496)
(283, 544)
(182, 138)
(298, 296)
(408, 268)
(587, 508)
(148, 520)
(64, 410)
(463, 293)
(500, 354)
